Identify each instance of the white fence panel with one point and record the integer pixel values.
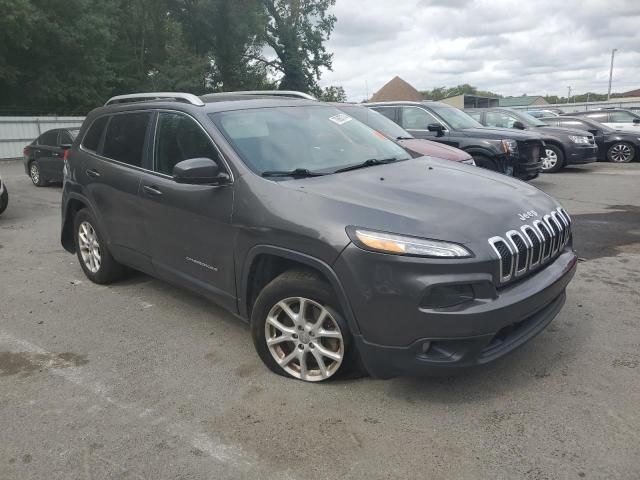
(17, 132)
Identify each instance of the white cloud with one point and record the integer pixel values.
(507, 46)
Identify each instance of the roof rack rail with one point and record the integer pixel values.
(273, 93)
(151, 96)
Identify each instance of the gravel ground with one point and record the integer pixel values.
(142, 380)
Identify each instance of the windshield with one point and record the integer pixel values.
(454, 117)
(528, 119)
(316, 138)
(377, 121)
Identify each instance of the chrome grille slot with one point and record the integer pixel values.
(534, 245)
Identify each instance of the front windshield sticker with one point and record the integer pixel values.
(340, 119)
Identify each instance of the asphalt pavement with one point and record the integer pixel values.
(143, 380)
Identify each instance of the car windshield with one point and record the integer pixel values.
(314, 138)
(377, 121)
(530, 120)
(454, 117)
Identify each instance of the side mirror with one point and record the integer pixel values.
(436, 127)
(518, 125)
(66, 146)
(636, 121)
(199, 171)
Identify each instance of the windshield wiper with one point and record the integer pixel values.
(296, 173)
(367, 163)
(404, 138)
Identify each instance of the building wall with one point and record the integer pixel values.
(17, 132)
(457, 101)
(540, 101)
(579, 107)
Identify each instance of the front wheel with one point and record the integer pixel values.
(553, 160)
(298, 330)
(35, 173)
(620, 152)
(4, 200)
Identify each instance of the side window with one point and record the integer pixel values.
(475, 115)
(65, 138)
(178, 138)
(49, 138)
(621, 117)
(499, 120)
(124, 140)
(389, 112)
(598, 117)
(414, 118)
(92, 138)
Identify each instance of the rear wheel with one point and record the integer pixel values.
(621, 152)
(4, 200)
(298, 330)
(93, 254)
(35, 173)
(553, 160)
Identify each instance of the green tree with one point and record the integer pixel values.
(296, 30)
(439, 93)
(333, 94)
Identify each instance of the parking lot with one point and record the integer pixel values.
(142, 380)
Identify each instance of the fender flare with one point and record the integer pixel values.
(66, 233)
(324, 268)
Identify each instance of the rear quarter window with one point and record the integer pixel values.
(92, 138)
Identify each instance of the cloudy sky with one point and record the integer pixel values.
(506, 46)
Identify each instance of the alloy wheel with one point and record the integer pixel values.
(550, 161)
(34, 173)
(89, 247)
(304, 339)
(620, 153)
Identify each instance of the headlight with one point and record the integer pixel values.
(580, 140)
(510, 146)
(469, 162)
(401, 245)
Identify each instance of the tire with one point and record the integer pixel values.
(4, 200)
(486, 162)
(102, 269)
(329, 343)
(554, 159)
(621, 152)
(35, 173)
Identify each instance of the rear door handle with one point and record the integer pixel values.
(92, 173)
(152, 190)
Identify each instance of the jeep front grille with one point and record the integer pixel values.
(524, 250)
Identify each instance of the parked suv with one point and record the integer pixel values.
(44, 157)
(513, 153)
(617, 118)
(397, 134)
(617, 146)
(563, 146)
(337, 246)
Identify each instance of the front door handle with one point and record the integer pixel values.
(152, 190)
(92, 173)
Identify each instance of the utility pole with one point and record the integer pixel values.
(613, 54)
(569, 95)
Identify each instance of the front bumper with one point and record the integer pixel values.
(580, 154)
(399, 336)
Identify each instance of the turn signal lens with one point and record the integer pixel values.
(401, 245)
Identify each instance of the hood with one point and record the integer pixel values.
(500, 133)
(560, 131)
(426, 197)
(434, 149)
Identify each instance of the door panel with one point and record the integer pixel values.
(112, 187)
(189, 225)
(49, 156)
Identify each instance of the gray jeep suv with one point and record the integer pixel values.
(341, 250)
